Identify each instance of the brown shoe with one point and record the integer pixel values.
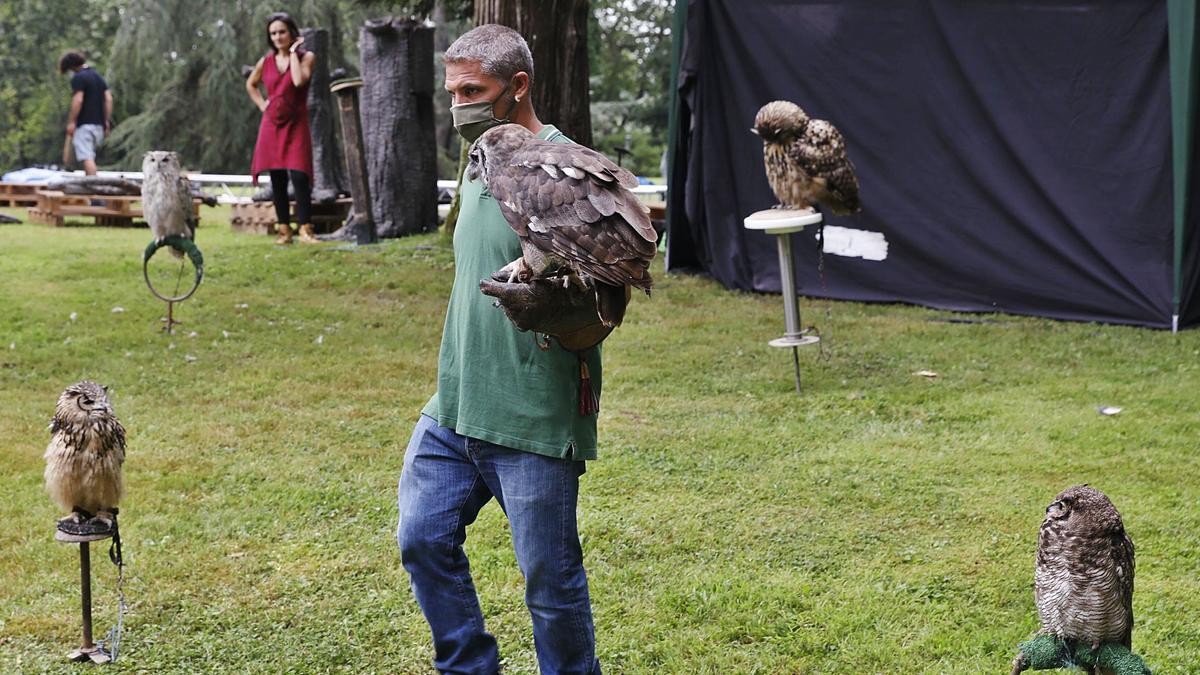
(307, 235)
(285, 233)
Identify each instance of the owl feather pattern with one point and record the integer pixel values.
(573, 210)
(86, 452)
(806, 160)
(1083, 583)
(167, 197)
(1083, 578)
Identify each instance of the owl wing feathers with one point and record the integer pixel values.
(572, 202)
(821, 153)
(183, 193)
(1125, 572)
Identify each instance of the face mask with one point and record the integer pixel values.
(472, 119)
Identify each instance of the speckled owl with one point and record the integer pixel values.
(806, 160)
(1083, 579)
(84, 458)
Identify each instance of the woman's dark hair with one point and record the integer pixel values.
(287, 21)
(70, 61)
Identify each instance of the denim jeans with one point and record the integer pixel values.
(446, 479)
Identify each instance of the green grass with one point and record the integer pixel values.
(881, 522)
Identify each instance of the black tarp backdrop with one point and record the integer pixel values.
(1016, 156)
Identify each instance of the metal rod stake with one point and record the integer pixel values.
(796, 365)
(85, 588)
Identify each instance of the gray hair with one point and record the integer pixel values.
(500, 51)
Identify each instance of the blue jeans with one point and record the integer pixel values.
(446, 479)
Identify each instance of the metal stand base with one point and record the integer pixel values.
(798, 341)
(95, 655)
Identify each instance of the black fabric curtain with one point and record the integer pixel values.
(1015, 155)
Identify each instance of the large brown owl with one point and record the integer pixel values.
(573, 211)
(806, 160)
(1083, 580)
(83, 460)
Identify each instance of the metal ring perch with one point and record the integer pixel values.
(179, 244)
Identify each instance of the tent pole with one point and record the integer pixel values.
(1181, 39)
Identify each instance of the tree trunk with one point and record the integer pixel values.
(397, 119)
(556, 31)
(441, 41)
(329, 179)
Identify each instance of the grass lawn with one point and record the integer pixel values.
(882, 522)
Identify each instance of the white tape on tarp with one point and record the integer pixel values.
(852, 243)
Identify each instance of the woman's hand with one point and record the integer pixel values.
(262, 107)
(296, 45)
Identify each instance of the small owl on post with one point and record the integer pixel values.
(1083, 579)
(806, 160)
(83, 461)
(167, 198)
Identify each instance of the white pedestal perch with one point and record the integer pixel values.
(782, 223)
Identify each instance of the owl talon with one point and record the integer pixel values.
(1019, 664)
(91, 526)
(517, 271)
(77, 516)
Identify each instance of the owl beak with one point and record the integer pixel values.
(754, 131)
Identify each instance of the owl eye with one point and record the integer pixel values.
(85, 400)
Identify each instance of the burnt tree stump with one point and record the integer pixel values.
(397, 124)
(329, 178)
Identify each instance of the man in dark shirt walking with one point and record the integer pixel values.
(91, 109)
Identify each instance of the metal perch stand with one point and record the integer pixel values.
(783, 223)
(193, 253)
(88, 651)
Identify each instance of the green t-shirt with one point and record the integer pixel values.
(494, 383)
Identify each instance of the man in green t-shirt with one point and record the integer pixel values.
(505, 421)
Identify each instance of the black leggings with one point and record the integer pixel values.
(279, 194)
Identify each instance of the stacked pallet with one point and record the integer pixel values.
(54, 206)
(259, 217)
(19, 194)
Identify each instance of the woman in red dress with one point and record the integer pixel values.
(284, 146)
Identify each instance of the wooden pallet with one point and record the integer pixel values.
(259, 217)
(53, 207)
(19, 194)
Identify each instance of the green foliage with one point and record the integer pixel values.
(185, 59)
(174, 67)
(34, 97)
(629, 44)
(879, 523)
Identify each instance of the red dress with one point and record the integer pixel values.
(284, 141)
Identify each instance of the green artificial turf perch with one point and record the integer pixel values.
(1045, 652)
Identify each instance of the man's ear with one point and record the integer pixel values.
(521, 85)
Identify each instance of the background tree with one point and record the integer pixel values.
(630, 53)
(557, 34)
(175, 70)
(34, 98)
